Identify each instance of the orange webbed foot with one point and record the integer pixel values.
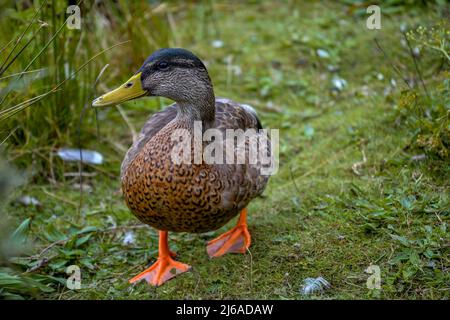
(237, 240)
(164, 269)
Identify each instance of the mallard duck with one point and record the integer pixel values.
(184, 197)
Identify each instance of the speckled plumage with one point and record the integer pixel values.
(188, 197)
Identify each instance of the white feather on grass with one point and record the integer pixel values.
(312, 285)
(129, 238)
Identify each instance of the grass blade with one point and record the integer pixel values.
(19, 73)
(9, 112)
(2, 69)
(36, 57)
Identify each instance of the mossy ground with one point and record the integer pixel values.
(318, 216)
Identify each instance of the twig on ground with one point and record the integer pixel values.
(59, 198)
(416, 65)
(293, 180)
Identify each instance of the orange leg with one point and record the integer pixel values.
(165, 268)
(236, 240)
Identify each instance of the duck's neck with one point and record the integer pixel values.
(201, 106)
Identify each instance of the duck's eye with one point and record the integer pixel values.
(163, 65)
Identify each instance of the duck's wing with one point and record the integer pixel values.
(242, 182)
(233, 115)
(154, 123)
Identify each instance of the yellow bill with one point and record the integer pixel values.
(131, 89)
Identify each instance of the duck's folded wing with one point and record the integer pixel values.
(233, 115)
(243, 182)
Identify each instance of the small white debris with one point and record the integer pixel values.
(309, 131)
(84, 187)
(312, 285)
(387, 91)
(129, 238)
(66, 70)
(365, 91)
(393, 83)
(87, 156)
(237, 70)
(380, 76)
(217, 43)
(403, 27)
(332, 68)
(28, 201)
(323, 53)
(338, 83)
(270, 106)
(111, 221)
(416, 51)
(228, 60)
(305, 39)
(419, 157)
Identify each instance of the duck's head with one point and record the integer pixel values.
(172, 73)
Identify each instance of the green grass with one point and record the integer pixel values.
(318, 216)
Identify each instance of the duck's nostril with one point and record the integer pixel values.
(129, 84)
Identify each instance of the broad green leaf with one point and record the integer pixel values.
(82, 240)
(20, 234)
